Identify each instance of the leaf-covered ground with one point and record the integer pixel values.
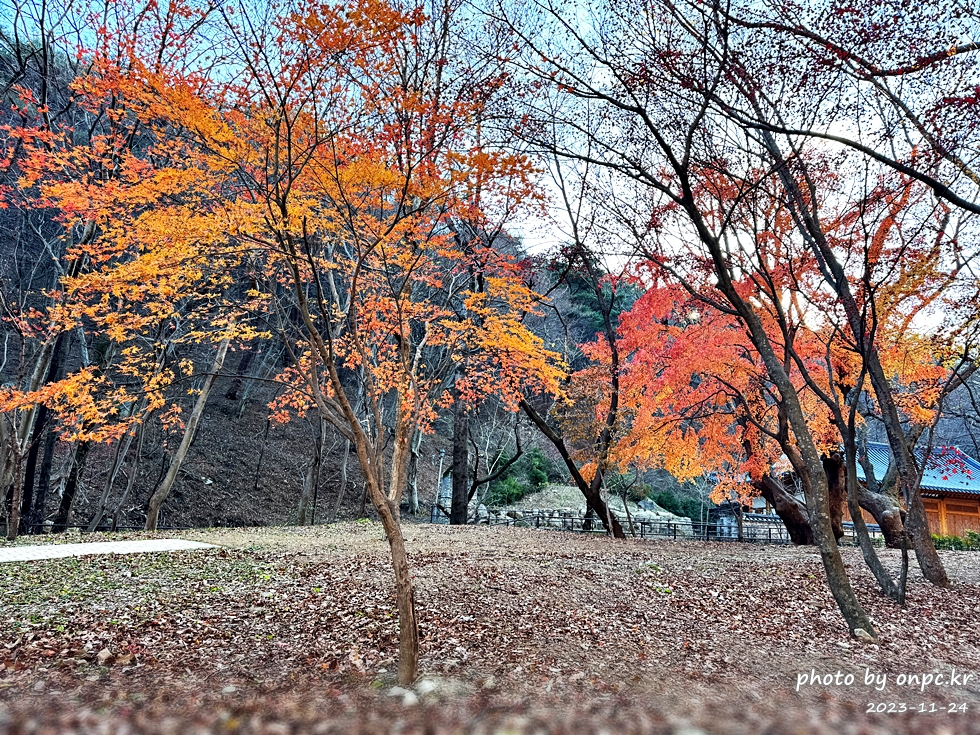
(294, 631)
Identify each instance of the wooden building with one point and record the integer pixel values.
(950, 488)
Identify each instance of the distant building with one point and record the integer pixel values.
(950, 487)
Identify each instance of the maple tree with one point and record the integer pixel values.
(341, 159)
(322, 178)
(684, 112)
(831, 72)
(315, 197)
(121, 285)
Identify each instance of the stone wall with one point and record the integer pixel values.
(580, 519)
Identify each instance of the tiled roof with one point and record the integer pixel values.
(948, 470)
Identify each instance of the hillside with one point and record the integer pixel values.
(241, 470)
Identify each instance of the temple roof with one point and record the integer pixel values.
(949, 469)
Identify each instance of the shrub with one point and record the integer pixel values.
(679, 506)
(535, 467)
(528, 474)
(955, 543)
(635, 491)
(505, 491)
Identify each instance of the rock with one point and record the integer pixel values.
(103, 656)
(434, 687)
(409, 698)
(862, 635)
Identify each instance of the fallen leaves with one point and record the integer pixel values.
(308, 616)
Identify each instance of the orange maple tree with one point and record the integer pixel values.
(312, 191)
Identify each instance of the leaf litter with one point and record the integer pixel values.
(295, 630)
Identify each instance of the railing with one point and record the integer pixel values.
(752, 532)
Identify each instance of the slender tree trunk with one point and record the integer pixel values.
(803, 454)
(881, 575)
(133, 474)
(408, 638)
(311, 480)
(388, 512)
(629, 517)
(79, 457)
(13, 513)
(413, 474)
(7, 465)
(362, 511)
(30, 466)
(122, 449)
(36, 518)
(343, 483)
(248, 355)
(40, 430)
(258, 464)
(591, 490)
(161, 493)
(861, 331)
(461, 463)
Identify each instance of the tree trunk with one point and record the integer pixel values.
(311, 481)
(134, 473)
(63, 518)
(881, 575)
(8, 466)
(13, 514)
(925, 550)
(248, 355)
(36, 518)
(408, 638)
(461, 463)
(833, 467)
(861, 331)
(790, 510)
(30, 467)
(41, 429)
(362, 511)
(886, 512)
(343, 483)
(413, 475)
(803, 454)
(388, 512)
(591, 490)
(161, 493)
(122, 449)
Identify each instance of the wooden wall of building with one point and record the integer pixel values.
(953, 516)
